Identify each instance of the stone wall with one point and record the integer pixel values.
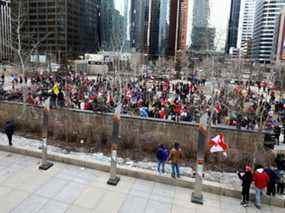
(139, 137)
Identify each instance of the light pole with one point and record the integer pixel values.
(45, 164)
(114, 179)
(197, 196)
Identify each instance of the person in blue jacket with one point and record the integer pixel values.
(162, 156)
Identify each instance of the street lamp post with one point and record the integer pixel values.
(114, 179)
(197, 196)
(45, 164)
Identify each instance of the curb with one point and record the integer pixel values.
(185, 182)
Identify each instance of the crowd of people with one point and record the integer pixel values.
(249, 105)
(271, 179)
(243, 105)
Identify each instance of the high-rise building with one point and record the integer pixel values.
(153, 31)
(267, 12)
(178, 25)
(246, 25)
(61, 29)
(159, 27)
(201, 13)
(89, 26)
(164, 25)
(127, 25)
(5, 31)
(107, 8)
(173, 27)
(279, 45)
(203, 37)
(183, 24)
(233, 25)
(139, 22)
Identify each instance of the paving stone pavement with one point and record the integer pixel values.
(71, 189)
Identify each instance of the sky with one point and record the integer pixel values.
(220, 11)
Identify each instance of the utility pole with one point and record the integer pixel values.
(45, 164)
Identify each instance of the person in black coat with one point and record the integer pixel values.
(9, 130)
(273, 179)
(277, 133)
(246, 178)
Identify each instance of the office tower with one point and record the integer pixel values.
(233, 26)
(164, 22)
(267, 12)
(279, 39)
(153, 28)
(139, 23)
(183, 24)
(203, 37)
(61, 29)
(89, 26)
(176, 24)
(127, 25)
(159, 27)
(173, 27)
(106, 24)
(246, 25)
(5, 31)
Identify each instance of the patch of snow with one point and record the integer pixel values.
(225, 178)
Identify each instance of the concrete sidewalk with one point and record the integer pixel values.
(71, 189)
(28, 147)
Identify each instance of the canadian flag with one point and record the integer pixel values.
(217, 144)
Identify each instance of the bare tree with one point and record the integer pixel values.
(23, 45)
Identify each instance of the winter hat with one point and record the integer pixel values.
(260, 170)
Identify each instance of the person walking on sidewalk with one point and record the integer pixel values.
(162, 156)
(175, 158)
(261, 180)
(246, 178)
(9, 130)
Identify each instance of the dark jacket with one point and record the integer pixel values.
(246, 179)
(162, 154)
(9, 128)
(280, 163)
(273, 178)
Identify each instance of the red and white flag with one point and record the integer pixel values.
(217, 144)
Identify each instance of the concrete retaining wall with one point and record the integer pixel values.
(139, 137)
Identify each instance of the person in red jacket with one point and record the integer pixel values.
(261, 180)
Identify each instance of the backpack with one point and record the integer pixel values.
(160, 154)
